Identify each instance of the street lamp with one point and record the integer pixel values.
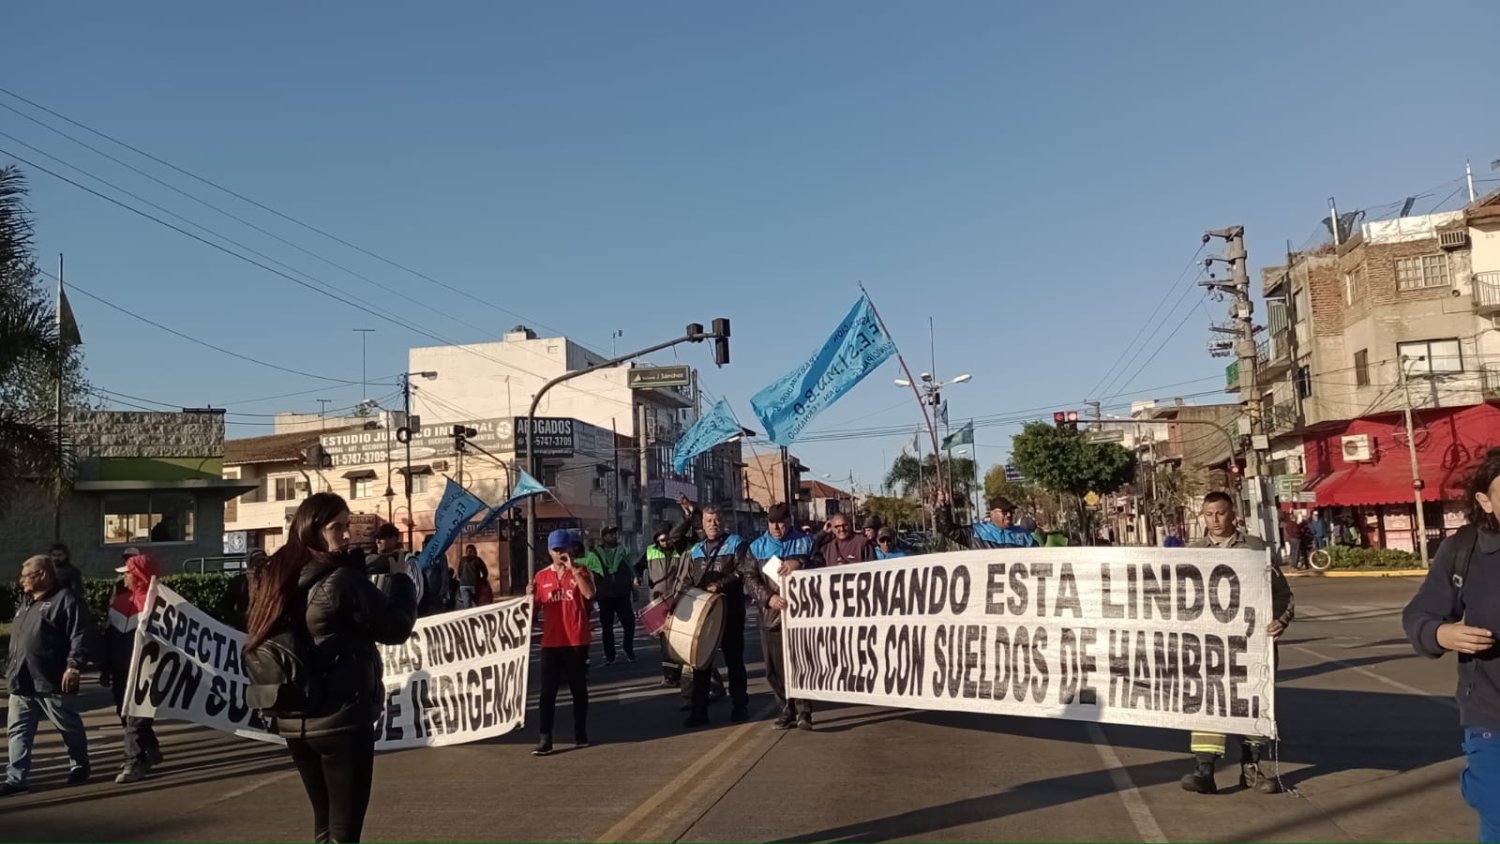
(404, 435)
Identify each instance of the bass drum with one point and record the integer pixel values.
(693, 632)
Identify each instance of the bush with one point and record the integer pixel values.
(1347, 557)
(207, 592)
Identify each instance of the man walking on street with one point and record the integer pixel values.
(471, 571)
(47, 651)
(68, 575)
(615, 581)
(1001, 531)
(1219, 521)
(846, 546)
(793, 548)
(562, 592)
(657, 567)
(142, 750)
(713, 565)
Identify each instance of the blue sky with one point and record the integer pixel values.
(1034, 177)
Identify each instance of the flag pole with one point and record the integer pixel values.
(917, 392)
(62, 356)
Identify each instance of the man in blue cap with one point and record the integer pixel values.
(562, 592)
(781, 541)
(713, 565)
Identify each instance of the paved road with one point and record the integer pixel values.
(1370, 747)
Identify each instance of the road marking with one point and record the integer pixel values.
(1135, 805)
(687, 779)
(1365, 672)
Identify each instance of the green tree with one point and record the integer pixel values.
(893, 510)
(29, 353)
(919, 479)
(1069, 463)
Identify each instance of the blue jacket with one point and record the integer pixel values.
(796, 545)
(1440, 602)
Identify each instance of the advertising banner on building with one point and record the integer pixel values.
(460, 677)
(1159, 637)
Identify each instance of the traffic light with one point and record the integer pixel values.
(461, 436)
(1065, 420)
(721, 341)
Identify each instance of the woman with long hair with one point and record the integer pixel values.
(314, 589)
(1458, 609)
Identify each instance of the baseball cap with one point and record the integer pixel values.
(132, 551)
(560, 540)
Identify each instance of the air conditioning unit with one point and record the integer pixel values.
(1357, 448)
(301, 486)
(1453, 238)
(439, 465)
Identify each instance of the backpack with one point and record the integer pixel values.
(282, 682)
(1467, 538)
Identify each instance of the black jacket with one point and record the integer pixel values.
(1439, 602)
(346, 617)
(48, 636)
(716, 565)
(70, 579)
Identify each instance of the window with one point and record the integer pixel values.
(549, 474)
(1304, 382)
(286, 489)
(1302, 307)
(137, 518)
(1421, 271)
(361, 487)
(419, 482)
(1424, 357)
(1362, 368)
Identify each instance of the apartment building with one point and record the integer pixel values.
(1400, 312)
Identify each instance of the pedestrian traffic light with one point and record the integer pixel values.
(721, 341)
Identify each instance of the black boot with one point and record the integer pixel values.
(1250, 773)
(1201, 780)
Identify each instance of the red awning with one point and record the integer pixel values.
(1386, 482)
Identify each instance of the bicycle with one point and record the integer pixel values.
(1319, 559)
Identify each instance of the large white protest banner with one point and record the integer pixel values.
(1156, 637)
(460, 677)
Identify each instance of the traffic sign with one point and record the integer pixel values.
(651, 377)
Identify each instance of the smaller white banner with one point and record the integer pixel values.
(460, 677)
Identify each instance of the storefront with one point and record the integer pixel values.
(1359, 473)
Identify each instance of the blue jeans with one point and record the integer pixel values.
(1481, 780)
(25, 713)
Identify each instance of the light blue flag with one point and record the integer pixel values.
(857, 347)
(714, 427)
(457, 507)
(526, 486)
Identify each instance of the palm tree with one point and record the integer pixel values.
(920, 479)
(28, 353)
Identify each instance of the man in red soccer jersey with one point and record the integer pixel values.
(562, 592)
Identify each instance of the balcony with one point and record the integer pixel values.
(1489, 381)
(1279, 418)
(1487, 293)
(1274, 355)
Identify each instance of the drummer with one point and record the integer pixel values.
(713, 565)
(794, 548)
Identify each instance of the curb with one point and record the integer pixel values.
(1360, 573)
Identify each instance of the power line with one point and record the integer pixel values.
(1149, 320)
(279, 214)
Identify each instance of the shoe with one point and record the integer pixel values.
(738, 714)
(696, 721)
(608, 661)
(1250, 774)
(543, 747)
(630, 657)
(805, 723)
(78, 776)
(9, 788)
(1201, 780)
(582, 742)
(154, 757)
(131, 773)
(784, 722)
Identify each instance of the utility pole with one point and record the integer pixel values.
(1420, 540)
(409, 427)
(364, 378)
(645, 470)
(323, 413)
(1242, 326)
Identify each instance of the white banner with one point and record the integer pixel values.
(460, 677)
(1160, 637)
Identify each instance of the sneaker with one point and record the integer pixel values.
(630, 657)
(582, 742)
(805, 723)
(738, 714)
(78, 776)
(696, 721)
(131, 773)
(785, 722)
(608, 661)
(8, 788)
(543, 747)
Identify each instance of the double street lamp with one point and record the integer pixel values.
(930, 391)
